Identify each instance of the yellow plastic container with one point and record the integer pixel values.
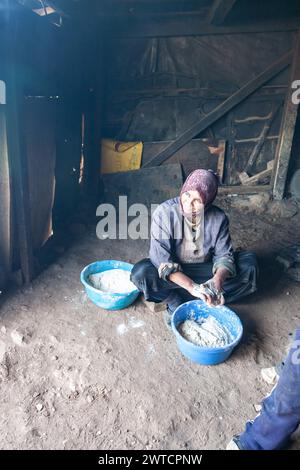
(120, 156)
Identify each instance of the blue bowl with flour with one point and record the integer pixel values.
(108, 301)
(197, 310)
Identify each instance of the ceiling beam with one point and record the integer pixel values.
(141, 10)
(219, 11)
(189, 26)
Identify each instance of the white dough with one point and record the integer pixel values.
(113, 281)
(205, 333)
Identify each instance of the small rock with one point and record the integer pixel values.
(73, 395)
(54, 358)
(36, 394)
(53, 339)
(283, 209)
(288, 293)
(17, 337)
(39, 406)
(3, 329)
(106, 351)
(257, 408)
(90, 398)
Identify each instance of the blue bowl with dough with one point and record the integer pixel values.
(108, 301)
(196, 309)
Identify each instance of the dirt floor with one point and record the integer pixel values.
(73, 376)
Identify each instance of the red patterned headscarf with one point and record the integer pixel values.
(205, 182)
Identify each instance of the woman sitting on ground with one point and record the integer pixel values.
(191, 254)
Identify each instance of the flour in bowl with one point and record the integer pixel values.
(113, 281)
(207, 333)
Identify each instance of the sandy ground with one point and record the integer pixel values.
(73, 376)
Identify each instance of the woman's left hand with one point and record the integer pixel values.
(218, 282)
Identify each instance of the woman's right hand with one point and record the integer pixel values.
(197, 291)
(202, 291)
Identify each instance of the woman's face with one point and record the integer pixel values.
(191, 202)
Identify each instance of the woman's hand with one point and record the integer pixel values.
(212, 290)
(197, 290)
(208, 293)
(218, 282)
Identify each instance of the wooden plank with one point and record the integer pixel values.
(236, 98)
(259, 177)
(190, 26)
(17, 157)
(262, 138)
(236, 190)
(221, 161)
(284, 147)
(220, 10)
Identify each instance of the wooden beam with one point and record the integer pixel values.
(247, 180)
(284, 147)
(189, 26)
(220, 10)
(261, 140)
(17, 154)
(150, 9)
(237, 97)
(239, 190)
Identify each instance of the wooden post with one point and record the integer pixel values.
(17, 153)
(237, 97)
(284, 147)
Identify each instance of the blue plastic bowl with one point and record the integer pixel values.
(196, 309)
(106, 300)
